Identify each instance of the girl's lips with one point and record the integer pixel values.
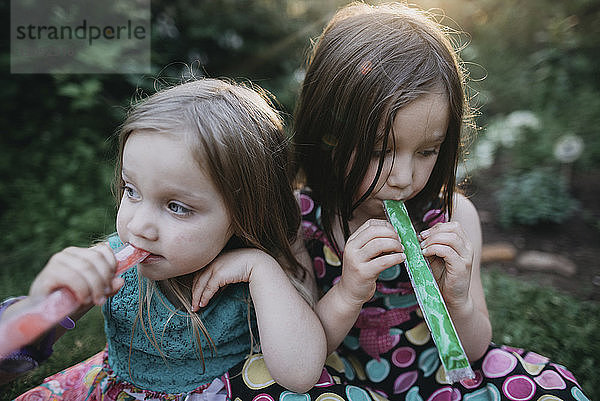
(152, 258)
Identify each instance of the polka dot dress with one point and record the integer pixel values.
(390, 350)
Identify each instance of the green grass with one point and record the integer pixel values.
(541, 319)
(524, 315)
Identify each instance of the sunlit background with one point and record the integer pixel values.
(534, 81)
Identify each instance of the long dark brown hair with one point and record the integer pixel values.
(236, 135)
(368, 63)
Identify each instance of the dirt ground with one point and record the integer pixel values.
(578, 239)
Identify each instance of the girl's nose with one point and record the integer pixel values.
(402, 172)
(142, 223)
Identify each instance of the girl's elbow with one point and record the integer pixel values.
(483, 345)
(298, 384)
(300, 380)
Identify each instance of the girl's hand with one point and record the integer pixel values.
(87, 272)
(371, 249)
(227, 268)
(450, 255)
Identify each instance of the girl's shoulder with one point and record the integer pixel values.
(465, 213)
(463, 209)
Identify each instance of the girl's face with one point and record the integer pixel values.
(419, 128)
(170, 206)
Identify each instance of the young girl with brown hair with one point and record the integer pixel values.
(381, 115)
(199, 164)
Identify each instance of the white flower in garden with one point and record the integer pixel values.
(513, 125)
(523, 119)
(568, 148)
(481, 157)
(501, 132)
(507, 131)
(484, 154)
(231, 40)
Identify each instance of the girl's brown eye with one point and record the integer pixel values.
(378, 153)
(430, 152)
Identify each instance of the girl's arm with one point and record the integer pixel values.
(291, 337)
(454, 252)
(371, 249)
(86, 272)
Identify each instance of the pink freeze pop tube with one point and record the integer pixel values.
(24, 328)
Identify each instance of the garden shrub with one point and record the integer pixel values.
(535, 196)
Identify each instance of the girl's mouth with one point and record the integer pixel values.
(152, 258)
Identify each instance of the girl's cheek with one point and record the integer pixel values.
(367, 181)
(121, 224)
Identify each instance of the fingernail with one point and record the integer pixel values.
(424, 233)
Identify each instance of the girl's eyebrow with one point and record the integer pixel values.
(180, 192)
(435, 137)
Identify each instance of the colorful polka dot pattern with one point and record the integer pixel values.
(411, 369)
(252, 381)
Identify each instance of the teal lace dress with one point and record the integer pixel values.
(159, 359)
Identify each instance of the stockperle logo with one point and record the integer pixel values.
(80, 36)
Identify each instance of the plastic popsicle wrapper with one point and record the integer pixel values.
(429, 297)
(45, 313)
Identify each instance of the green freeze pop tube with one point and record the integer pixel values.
(451, 352)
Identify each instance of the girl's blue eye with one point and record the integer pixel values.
(179, 209)
(130, 192)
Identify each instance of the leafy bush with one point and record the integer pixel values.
(533, 197)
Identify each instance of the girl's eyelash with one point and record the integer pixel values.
(183, 211)
(430, 152)
(128, 191)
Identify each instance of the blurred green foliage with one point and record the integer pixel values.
(536, 196)
(57, 147)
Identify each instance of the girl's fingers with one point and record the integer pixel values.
(104, 250)
(386, 261)
(373, 232)
(88, 272)
(99, 257)
(62, 275)
(449, 234)
(371, 228)
(451, 240)
(92, 264)
(379, 246)
(443, 227)
(116, 285)
(97, 286)
(199, 285)
(442, 251)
